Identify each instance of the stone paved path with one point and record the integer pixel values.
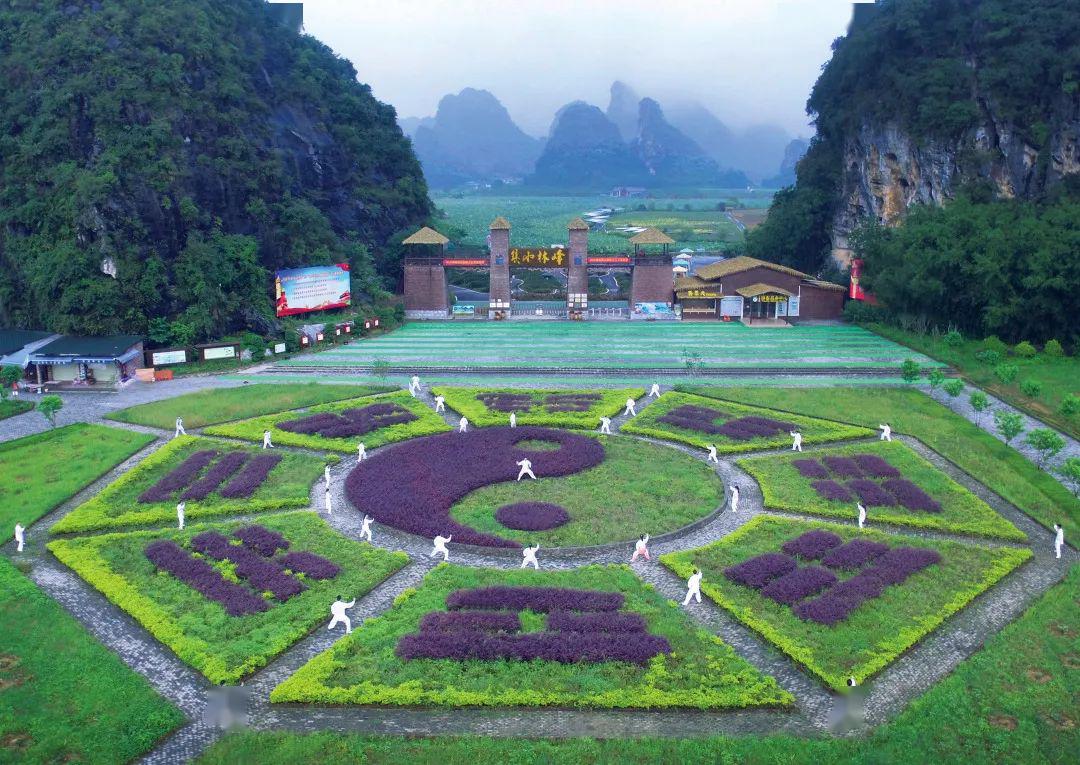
(888, 693)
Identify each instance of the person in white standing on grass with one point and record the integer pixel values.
(329, 510)
(712, 454)
(337, 610)
(365, 527)
(20, 537)
(179, 427)
(440, 404)
(886, 432)
(630, 408)
(513, 420)
(180, 508)
(526, 469)
(1059, 539)
(414, 385)
(796, 441)
(862, 514)
(605, 425)
(528, 555)
(693, 587)
(640, 549)
(463, 425)
(267, 443)
(654, 391)
(361, 453)
(440, 547)
(734, 498)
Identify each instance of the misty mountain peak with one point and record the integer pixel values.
(623, 109)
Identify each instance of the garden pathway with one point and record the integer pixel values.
(888, 692)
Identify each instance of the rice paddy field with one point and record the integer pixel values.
(674, 347)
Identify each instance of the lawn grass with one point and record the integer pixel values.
(41, 471)
(1059, 375)
(702, 672)
(996, 707)
(538, 410)
(199, 630)
(878, 630)
(63, 696)
(784, 488)
(425, 424)
(11, 407)
(1001, 469)
(639, 488)
(814, 430)
(287, 486)
(215, 405)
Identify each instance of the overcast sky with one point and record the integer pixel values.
(750, 61)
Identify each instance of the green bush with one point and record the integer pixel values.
(1031, 388)
(936, 378)
(1053, 348)
(909, 370)
(1006, 372)
(1070, 405)
(1046, 442)
(954, 386)
(953, 339)
(859, 312)
(988, 357)
(1024, 350)
(995, 343)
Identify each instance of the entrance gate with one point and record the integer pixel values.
(427, 294)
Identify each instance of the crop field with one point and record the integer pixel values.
(540, 221)
(609, 345)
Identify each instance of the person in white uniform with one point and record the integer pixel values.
(640, 548)
(361, 453)
(365, 527)
(440, 547)
(886, 432)
(528, 555)
(329, 510)
(440, 403)
(605, 425)
(326, 475)
(712, 454)
(267, 443)
(693, 587)
(20, 537)
(513, 420)
(414, 385)
(463, 425)
(181, 506)
(734, 498)
(796, 441)
(1059, 539)
(630, 407)
(337, 610)
(654, 391)
(862, 514)
(179, 427)
(526, 469)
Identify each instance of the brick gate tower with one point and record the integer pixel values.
(499, 269)
(577, 274)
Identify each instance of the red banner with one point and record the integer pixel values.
(856, 291)
(613, 260)
(465, 262)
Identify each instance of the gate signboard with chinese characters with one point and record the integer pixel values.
(538, 257)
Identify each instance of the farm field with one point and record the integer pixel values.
(542, 220)
(615, 345)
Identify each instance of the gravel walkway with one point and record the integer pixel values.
(887, 693)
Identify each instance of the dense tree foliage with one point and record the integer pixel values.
(190, 149)
(1004, 268)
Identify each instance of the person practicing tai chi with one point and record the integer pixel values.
(179, 427)
(712, 454)
(654, 391)
(734, 498)
(886, 432)
(528, 555)
(326, 475)
(630, 408)
(693, 587)
(513, 420)
(267, 443)
(862, 514)
(337, 610)
(605, 425)
(361, 453)
(440, 403)
(365, 527)
(1059, 539)
(180, 508)
(640, 549)
(440, 547)
(414, 385)
(463, 425)
(526, 469)
(329, 510)
(20, 537)
(796, 441)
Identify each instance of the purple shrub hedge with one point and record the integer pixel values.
(539, 599)
(875, 466)
(236, 599)
(746, 428)
(523, 402)
(831, 490)
(911, 496)
(310, 565)
(812, 544)
(470, 621)
(703, 420)
(506, 402)
(854, 554)
(689, 417)
(570, 402)
(251, 477)
(532, 516)
(412, 485)
(563, 647)
(871, 494)
(810, 468)
(259, 572)
(217, 473)
(758, 571)
(262, 540)
(842, 467)
(800, 583)
(349, 422)
(610, 621)
(182, 475)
